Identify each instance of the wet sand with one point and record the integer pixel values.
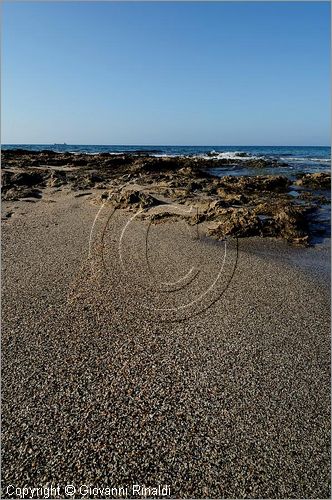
(110, 377)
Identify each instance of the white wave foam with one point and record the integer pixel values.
(166, 155)
(294, 158)
(228, 155)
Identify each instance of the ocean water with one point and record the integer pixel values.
(292, 159)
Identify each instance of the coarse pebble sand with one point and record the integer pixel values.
(137, 354)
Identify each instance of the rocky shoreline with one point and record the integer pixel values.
(231, 205)
(110, 377)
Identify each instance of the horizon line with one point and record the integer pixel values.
(166, 145)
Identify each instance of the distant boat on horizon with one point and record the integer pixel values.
(58, 144)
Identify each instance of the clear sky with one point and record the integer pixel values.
(251, 73)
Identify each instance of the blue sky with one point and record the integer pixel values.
(251, 73)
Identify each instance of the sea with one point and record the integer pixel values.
(291, 159)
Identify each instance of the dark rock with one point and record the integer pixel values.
(261, 163)
(292, 224)
(23, 178)
(256, 183)
(133, 198)
(321, 180)
(57, 179)
(16, 193)
(236, 222)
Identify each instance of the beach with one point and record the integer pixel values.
(123, 366)
(166, 237)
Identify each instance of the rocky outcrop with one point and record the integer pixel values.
(321, 180)
(22, 184)
(19, 192)
(283, 221)
(238, 222)
(255, 183)
(132, 198)
(231, 205)
(57, 179)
